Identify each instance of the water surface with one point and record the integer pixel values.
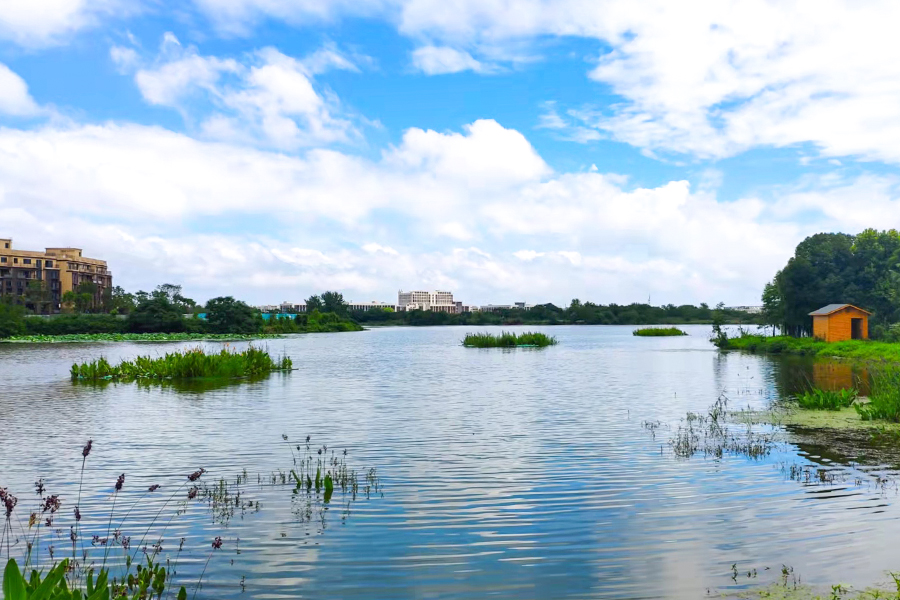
(505, 474)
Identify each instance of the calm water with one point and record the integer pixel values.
(506, 474)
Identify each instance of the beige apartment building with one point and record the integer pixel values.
(433, 301)
(61, 269)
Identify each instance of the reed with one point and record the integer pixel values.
(187, 364)
(508, 340)
(884, 398)
(658, 332)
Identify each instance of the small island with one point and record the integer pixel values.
(658, 332)
(187, 364)
(508, 340)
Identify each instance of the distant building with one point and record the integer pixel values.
(61, 269)
(752, 310)
(433, 301)
(367, 306)
(514, 305)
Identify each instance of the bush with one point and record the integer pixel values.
(12, 319)
(75, 324)
(658, 332)
(508, 340)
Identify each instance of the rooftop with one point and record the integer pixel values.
(832, 308)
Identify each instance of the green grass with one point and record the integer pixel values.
(508, 340)
(865, 350)
(134, 337)
(187, 364)
(658, 332)
(819, 399)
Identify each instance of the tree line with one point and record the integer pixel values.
(837, 268)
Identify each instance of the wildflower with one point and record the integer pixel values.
(153, 488)
(50, 550)
(217, 543)
(77, 515)
(8, 500)
(32, 520)
(72, 535)
(51, 503)
(39, 486)
(87, 448)
(126, 542)
(49, 522)
(307, 439)
(192, 493)
(120, 482)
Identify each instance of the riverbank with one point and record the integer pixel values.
(137, 337)
(864, 350)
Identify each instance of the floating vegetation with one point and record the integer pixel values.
(819, 399)
(186, 364)
(508, 340)
(136, 337)
(658, 332)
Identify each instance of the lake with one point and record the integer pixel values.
(529, 473)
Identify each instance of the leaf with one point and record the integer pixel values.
(182, 594)
(13, 582)
(53, 577)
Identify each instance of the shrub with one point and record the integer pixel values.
(658, 332)
(508, 340)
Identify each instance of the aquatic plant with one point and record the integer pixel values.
(860, 350)
(508, 340)
(711, 435)
(185, 364)
(819, 399)
(884, 397)
(658, 332)
(135, 337)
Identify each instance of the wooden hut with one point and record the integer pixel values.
(838, 322)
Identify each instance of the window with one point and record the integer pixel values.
(16, 260)
(48, 263)
(2, 259)
(27, 261)
(6, 244)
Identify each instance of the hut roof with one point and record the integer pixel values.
(832, 308)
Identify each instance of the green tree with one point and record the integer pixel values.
(314, 303)
(227, 315)
(12, 319)
(37, 296)
(156, 314)
(333, 302)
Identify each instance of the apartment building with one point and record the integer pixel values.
(60, 269)
(434, 301)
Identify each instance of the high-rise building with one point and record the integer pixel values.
(60, 270)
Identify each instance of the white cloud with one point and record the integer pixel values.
(267, 98)
(14, 97)
(134, 193)
(43, 22)
(433, 60)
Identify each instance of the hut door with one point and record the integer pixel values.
(856, 329)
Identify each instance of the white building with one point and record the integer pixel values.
(498, 307)
(367, 306)
(434, 301)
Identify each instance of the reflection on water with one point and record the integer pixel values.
(797, 374)
(504, 474)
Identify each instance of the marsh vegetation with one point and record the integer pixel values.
(508, 340)
(658, 332)
(184, 364)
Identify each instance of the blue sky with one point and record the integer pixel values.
(531, 150)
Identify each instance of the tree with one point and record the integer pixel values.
(12, 319)
(37, 296)
(117, 301)
(314, 303)
(227, 315)
(333, 302)
(156, 314)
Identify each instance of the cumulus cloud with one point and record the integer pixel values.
(36, 23)
(432, 216)
(14, 97)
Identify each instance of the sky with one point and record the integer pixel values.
(536, 150)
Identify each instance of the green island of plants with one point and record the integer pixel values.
(186, 364)
(819, 399)
(658, 332)
(506, 339)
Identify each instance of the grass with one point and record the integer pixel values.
(186, 364)
(508, 340)
(819, 399)
(865, 350)
(658, 332)
(134, 337)
(884, 398)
